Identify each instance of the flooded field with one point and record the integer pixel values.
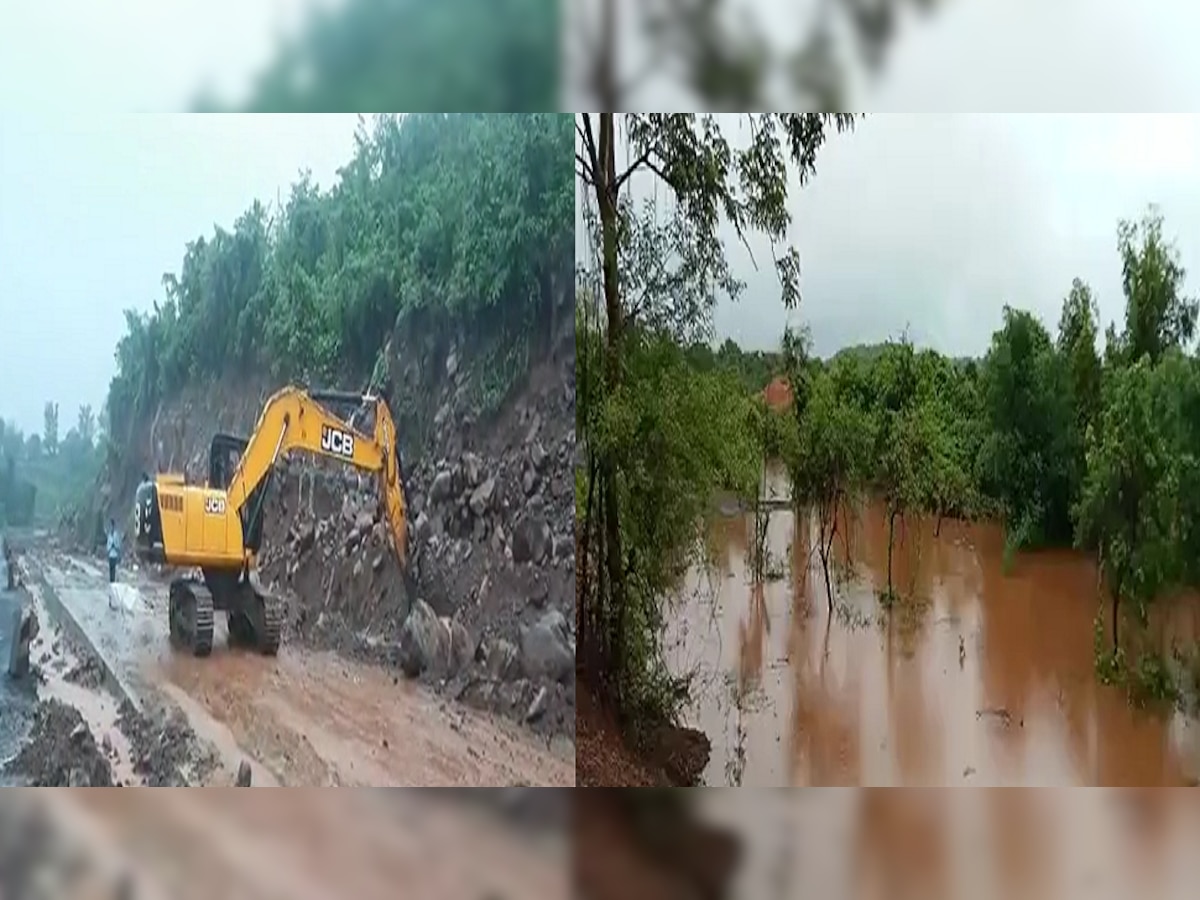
(977, 678)
(984, 844)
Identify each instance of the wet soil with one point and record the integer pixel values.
(314, 718)
(669, 756)
(80, 733)
(302, 718)
(650, 844)
(977, 677)
(296, 844)
(164, 748)
(61, 751)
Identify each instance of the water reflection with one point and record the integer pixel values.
(927, 844)
(978, 678)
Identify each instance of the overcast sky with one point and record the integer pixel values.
(93, 211)
(929, 223)
(137, 55)
(934, 222)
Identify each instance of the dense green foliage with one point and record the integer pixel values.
(42, 475)
(1062, 446)
(379, 55)
(663, 427)
(454, 224)
(680, 436)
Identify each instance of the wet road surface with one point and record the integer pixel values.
(984, 679)
(16, 700)
(304, 844)
(303, 717)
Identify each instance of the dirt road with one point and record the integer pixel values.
(303, 844)
(302, 718)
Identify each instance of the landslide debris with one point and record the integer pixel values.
(61, 751)
(491, 496)
(166, 751)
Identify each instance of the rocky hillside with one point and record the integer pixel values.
(491, 495)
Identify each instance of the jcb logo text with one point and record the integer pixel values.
(337, 442)
(214, 506)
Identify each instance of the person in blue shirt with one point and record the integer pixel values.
(114, 550)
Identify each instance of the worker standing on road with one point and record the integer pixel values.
(114, 550)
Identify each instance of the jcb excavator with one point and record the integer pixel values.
(217, 527)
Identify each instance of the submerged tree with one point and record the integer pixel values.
(710, 181)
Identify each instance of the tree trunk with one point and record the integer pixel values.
(1116, 609)
(584, 602)
(826, 549)
(891, 536)
(607, 203)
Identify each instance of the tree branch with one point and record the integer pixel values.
(642, 159)
(587, 172)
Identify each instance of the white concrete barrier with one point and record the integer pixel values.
(124, 597)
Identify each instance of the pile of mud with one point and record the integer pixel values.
(166, 751)
(61, 751)
(493, 554)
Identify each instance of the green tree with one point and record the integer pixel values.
(1139, 502)
(830, 465)
(1157, 315)
(85, 425)
(1024, 462)
(710, 181)
(904, 441)
(444, 224)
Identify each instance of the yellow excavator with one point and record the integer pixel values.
(217, 527)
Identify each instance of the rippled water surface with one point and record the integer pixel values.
(978, 678)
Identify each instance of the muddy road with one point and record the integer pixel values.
(986, 679)
(305, 844)
(303, 718)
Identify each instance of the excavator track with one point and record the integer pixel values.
(191, 615)
(270, 621)
(255, 618)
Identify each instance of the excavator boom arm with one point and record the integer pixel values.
(294, 419)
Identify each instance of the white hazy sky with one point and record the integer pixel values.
(926, 222)
(95, 208)
(933, 222)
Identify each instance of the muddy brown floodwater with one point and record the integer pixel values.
(889, 844)
(979, 678)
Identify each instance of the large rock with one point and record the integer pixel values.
(546, 648)
(531, 539)
(442, 487)
(24, 630)
(423, 640)
(481, 497)
(433, 644)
